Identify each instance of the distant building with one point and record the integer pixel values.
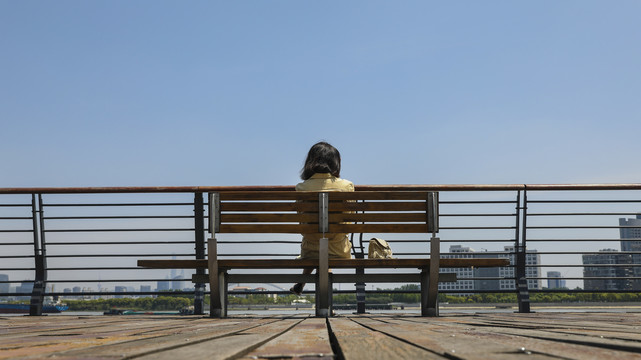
(4, 287)
(501, 278)
(630, 233)
(459, 252)
(177, 282)
(555, 281)
(25, 287)
(120, 289)
(532, 270)
(163, 286)
(603, 277)
(614, 270)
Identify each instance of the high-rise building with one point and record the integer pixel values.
(555, 281)
(4, 287)
(460, 252)
(163, 286)
(630, 231)
(501, 278)
(177, 282)
(25, 287)
(120, 289)
(611, 277)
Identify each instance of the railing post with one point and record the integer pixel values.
(360, 286)
(520, 257)
(199, 237)
(40, 257)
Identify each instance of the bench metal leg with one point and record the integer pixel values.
(429, 304)
(217, 283)
(218, 304)
(323, 284)
(429, 281)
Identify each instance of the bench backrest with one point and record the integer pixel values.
(323, 212)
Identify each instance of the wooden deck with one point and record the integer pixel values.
(544, 335)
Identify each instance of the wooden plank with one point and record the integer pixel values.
(475, 337)
(388, 278)
(546, 329)
(313, 195)
(358, 342)
(268, 195)
(268, 229)
(170, 337)
(269, 206)
(625, 325)
(336, 278)
(444, 341)
(69, 337)
(268, 217)
(308, 339)
(377, 206)
(230, 346)
(378, 228)
(379, 195)
(378, 217)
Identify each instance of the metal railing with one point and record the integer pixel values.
(84, 242)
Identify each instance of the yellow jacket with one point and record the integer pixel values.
(339, 245)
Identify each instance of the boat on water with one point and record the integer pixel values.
(24, 308)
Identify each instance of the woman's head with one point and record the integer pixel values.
(322, 158)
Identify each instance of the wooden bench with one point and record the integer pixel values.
(290, 212)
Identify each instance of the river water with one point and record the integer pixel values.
(412, 311)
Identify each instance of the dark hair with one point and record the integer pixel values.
(322, 158)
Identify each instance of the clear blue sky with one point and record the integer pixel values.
(116, 93)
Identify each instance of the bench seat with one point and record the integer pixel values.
(333, 263)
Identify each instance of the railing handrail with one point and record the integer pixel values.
(400, 187)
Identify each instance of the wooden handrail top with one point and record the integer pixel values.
(333, 263)
(399, 187)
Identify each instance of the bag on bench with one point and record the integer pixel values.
(379, 249)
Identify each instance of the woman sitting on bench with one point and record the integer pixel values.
(321, 172)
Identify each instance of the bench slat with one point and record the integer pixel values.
(377, 228)
(313, 195)
(378, 217)
(268, 195)
(270, 206)
(379, 195)
(264, 218)
(313, 206)
(313, 218)
(268, 228)
(336, 278)
(313, 229)
(378, 206)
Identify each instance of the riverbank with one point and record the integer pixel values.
(582, 306)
